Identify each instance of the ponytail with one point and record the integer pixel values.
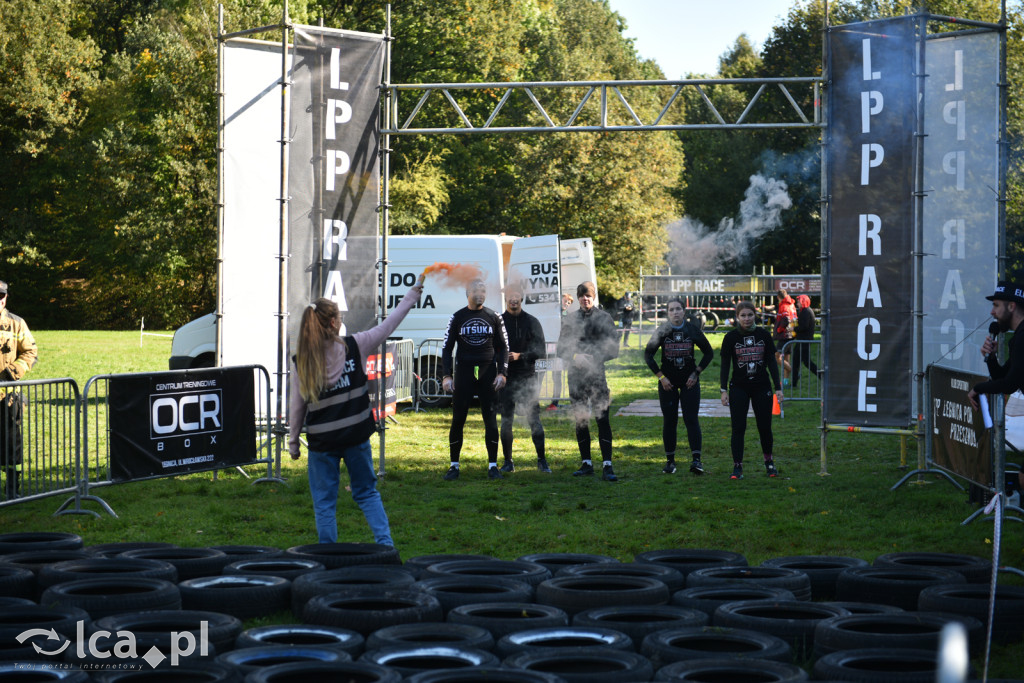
(315, 332)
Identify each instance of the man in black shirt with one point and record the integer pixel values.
(480, 368)
(586, 341)
(525, 346)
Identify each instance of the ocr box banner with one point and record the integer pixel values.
(178, 422)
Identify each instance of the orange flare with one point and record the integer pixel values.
(454, 274)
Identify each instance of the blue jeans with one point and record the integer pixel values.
(324, 474)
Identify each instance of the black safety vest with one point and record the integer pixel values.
(341, 417)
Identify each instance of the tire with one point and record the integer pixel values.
(974, 569)
(903, 630)
(793, 621)
(308, 586)
(11, 671)
(414, 659)
(115, 549)
(452, 591)
(822, 570)
(575, 594)
(154, 628)
(672, 578)
(638, 621)
(430, 633)
(418, 564)
(62, 619)
(366, 613)
(8, 601)
(289, 568)
(335, 555)
(48, 645)
(249, 552)
(585, 664)
(17, 582)
(696, 318)
(555, 637)
(686, 560)
(109, 567)
(866, 607)
(307, 672)
(898, 586)
(23, 541)
(557, 561)
(104, 596)
(501, 618)
(251, 659)
(490, 675)
(35, 560)
(883, 665)
(797, 582)
(206, 672)
(973, 600)
(529, 572)
(191, 563)
(709, 598)
(706, 642)
(245, 596)
(430, 383)
(303, 635)
(733, 670)
(711, 321)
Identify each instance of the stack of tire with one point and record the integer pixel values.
(147, 612)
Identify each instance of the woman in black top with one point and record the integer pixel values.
(748, 350)
(678, 380)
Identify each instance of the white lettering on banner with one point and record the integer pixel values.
(335, 240)
(953, 163)
(168, 413)
(953, 292)
(952, 238)
(334, 289)
(869, 289)
(955, 113)
(872, 155)
(698, 285)
(864, 390)
(954, 351)
(863, 350)
(338, 163)
(338, 111)
(871, 103)
(958, 72)
(869, 75)
(870, 227)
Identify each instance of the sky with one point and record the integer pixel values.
(688, 36)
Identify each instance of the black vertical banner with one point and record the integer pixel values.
(871, 126)
(334, 175)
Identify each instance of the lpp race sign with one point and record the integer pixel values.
(872, 119)
(173, 423)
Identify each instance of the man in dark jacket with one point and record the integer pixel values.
(525, 346)
(17, 356)
(587, 340)
(805, 324)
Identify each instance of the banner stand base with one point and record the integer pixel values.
(908, 475)
(79, 510)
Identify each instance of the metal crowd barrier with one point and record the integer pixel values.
(405, 370)
(38, 438)
(809, 386)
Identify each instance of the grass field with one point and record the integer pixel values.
(849, 512)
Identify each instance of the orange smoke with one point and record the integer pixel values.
(454, 274)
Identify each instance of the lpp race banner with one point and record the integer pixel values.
(373, 375)
(870, 137)
(174, 423)
(334, 179)
(960, 441)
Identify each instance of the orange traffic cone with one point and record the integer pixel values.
(776, 406)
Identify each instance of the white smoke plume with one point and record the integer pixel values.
(696, 248)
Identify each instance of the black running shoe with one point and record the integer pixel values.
(608, 474)
(585, 470)
(493, 473)
(542, 465)
(769, 466)
(509, 466)
(669, 468)
(696, 467)
(452, 474)
(737, 471)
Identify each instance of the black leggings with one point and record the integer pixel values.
(523, 390)
(466, 385)
(740, 399)
(670, 401)
(591, 396)
(802, 354)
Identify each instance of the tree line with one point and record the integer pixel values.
(108, 132)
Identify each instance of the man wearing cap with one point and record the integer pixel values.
(1008, 311)
(17, 356)
(587, 340)
(479, 368)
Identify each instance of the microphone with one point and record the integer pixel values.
(993, 331)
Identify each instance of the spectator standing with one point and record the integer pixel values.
(679, 381)
(805, 326)
(18, 354)
(329, 395)
(525, 346)
(626, 319)
(749, 354)
(586, 342)
(478, 367)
